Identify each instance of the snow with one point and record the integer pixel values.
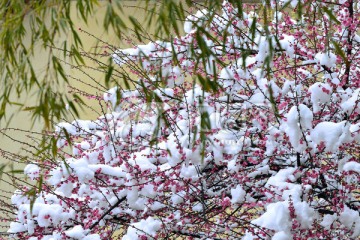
(276, 217)
(320, 94)
(145, 227)
(110, 96)
(232, 166)
(198, 207)
(352, 166)
(189, 172)
(282, 236)
(134, 201)
(238, 194)
(32, 171)
(353, 103)
(249, 61)
(282, 177)
(178, 198)
(76, 232)
(92, 237)
(66, 189)
(264, 48)
(293, 3)
(287, 43)
(355, 131)
(304, 214)
(67, 126)
(194, 20)
(18, 198)
(148, 191)
(248, 236)
(328, 220)
(16, 227)
(350, 218)
(176, 77)
(122, 56)
(257, 99)
(77, 127)
(56, 176)
(326, 59)
(287, 87)
(283, 183)
(332, 134)
(45, 215)
(306, 117)
(298, 116)
(108, 170)
(82, 170)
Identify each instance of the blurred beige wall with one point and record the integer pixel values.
(22, 120)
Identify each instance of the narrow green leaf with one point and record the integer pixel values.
(331, 15)
(339, 51)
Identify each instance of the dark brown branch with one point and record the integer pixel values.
(108, 211)
(349, 46)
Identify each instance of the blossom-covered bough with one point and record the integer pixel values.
(245, 127)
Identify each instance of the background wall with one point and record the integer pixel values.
(21, 120)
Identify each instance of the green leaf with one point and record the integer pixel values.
(73, 108)
(331, 15)
(339, 51)
(40, 184)
(67, 136)
(2, 167)
(108, 75)
(252, 29)
(78, 58)
(137, 28)
(16, 171)
(54, 147)
(31, 194)
(273, 103)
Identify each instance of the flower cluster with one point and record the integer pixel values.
(244, 127)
